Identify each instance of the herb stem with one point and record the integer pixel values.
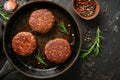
(62, 25)
(39, 58)
(95, 46)
(4, 15)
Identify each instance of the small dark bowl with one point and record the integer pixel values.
(97, 10)
(17, 20)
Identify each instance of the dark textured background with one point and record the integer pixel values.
(104, 67)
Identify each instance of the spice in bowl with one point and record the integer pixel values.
(87, 9)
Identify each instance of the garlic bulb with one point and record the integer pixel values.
(10, 5)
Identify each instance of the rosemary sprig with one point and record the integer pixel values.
(62, 25)
(4, 15)
(40, 59)
(95, 46)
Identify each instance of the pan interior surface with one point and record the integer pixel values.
(28, 65)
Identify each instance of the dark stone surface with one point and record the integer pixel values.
(104, 67)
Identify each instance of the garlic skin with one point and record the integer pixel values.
(10, 5)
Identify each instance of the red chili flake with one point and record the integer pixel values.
(85, 8)
(81, 2)
(79, 10)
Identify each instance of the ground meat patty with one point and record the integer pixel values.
(41, 20)
(58, 50)
(24, 43)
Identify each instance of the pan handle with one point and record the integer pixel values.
(7, 68)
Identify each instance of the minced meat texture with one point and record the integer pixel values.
(24, 43)
(58, 50)
(42, 20)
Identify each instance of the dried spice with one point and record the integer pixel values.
(85, 8)
(88, 36)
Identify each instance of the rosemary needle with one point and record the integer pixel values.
(39, 58)
(62, 25)
(4, 15)
(95, 46)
